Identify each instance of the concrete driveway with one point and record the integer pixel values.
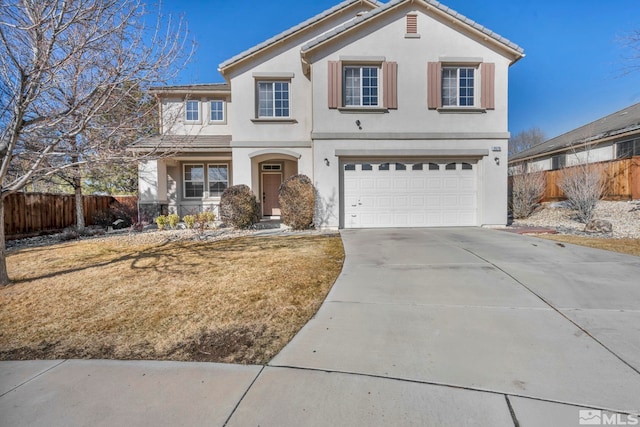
(429, 327)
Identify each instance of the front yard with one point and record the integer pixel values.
(238, 300)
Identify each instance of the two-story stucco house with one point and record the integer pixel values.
(397, 112)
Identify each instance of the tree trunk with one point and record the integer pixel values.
(79, 205)
(4, 275)
(77, 187)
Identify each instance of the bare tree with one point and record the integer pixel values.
(527, 189)
(631, 42)
(65, 67)
(583, 185)
(526, 139)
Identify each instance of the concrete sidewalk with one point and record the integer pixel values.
(434, 327)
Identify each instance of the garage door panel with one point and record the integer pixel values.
(422, 193)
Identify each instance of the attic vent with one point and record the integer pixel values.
(412, 26)
(360, 14)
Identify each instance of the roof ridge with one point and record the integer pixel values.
(293, 30)
(393, 3)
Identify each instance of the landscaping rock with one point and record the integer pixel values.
(599, 226)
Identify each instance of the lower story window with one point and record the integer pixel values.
(193, 180)
(215, 175)
(218, 179)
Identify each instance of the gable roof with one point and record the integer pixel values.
(293, 30)
(618, 123)
(517, 50)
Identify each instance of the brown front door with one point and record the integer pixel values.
(270, 185)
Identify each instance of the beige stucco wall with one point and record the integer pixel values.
(282, 60)
(173, 113)
(387, 39)
(431, 129)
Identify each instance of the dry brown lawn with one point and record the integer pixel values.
(238, 300)
(626, 246)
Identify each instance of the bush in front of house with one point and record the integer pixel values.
(527, 189)
(162, 221)
(189, 221)
(239, 207)
(173, 220)
(297, 197)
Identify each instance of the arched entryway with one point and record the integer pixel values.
(269, 170)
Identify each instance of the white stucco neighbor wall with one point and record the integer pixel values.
(592, 155)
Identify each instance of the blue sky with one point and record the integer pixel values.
(574, 71)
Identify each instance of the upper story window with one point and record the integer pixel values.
(273, 99)
(217, 111)
(458, 86)
(192, 110)
(366, 83)
(462, 84)
(361, 85)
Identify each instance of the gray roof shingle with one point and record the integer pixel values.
(291, 31)
(394, 3)
(205, 87)
(623, 121)
(183, 143)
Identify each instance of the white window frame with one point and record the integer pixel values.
(476, 86)
(378, 87)
(209, 180)
(185, 180)
(224, 111)
(273, 84)
(187, 111)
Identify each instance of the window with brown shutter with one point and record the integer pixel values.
(434, 85)
(335, 84)
(362, 86)
(390, 85)
(487, 98)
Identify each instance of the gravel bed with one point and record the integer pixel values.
(624, 216)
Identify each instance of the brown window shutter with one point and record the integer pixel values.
(390, 84)
(488, 95)
(412, 24)
(434, 85)
(335, 84)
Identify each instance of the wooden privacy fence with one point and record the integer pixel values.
(32, 213)
(623, 181)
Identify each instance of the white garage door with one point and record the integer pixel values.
(427, 193)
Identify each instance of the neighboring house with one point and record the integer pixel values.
(613, 139)
(396, 111)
